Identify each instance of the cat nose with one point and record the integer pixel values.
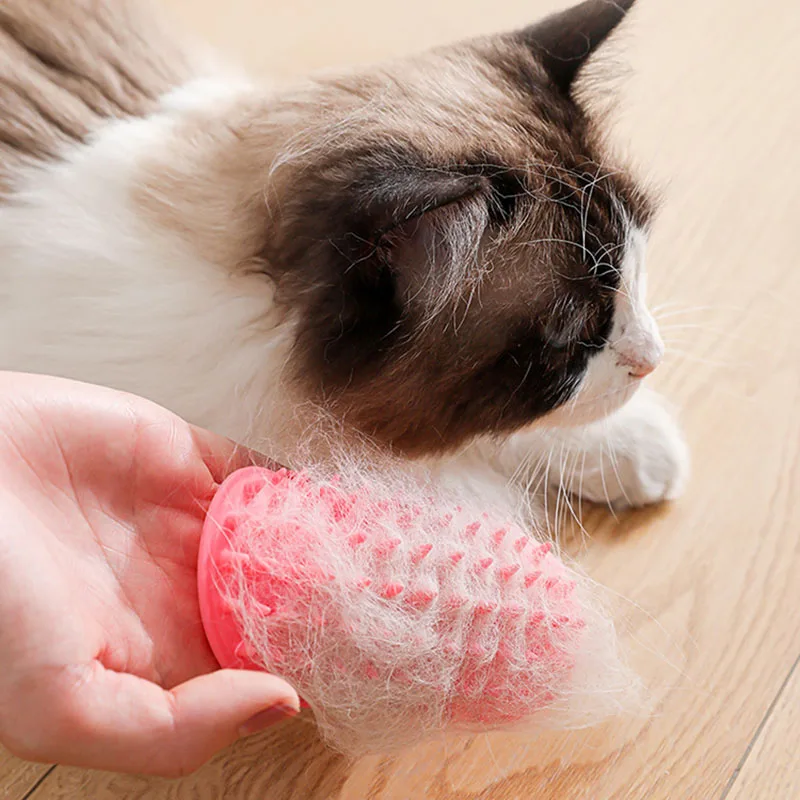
(640, 349)
(641, 364)
(642, 369)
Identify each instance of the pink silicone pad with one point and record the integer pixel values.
(217, 548)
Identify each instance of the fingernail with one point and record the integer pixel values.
(266, 718)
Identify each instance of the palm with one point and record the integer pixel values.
(108, 509)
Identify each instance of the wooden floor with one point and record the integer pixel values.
(709, 588)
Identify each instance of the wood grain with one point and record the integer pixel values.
(772, 767)
(18, 778)
(708, 589)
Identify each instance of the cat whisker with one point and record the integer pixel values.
(672, 353)
(659, 314)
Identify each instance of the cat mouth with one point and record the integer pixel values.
(587, 410)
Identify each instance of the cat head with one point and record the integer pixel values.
(457, 251)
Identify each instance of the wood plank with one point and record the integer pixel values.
(287, 762)
(771, 770)
(710, 583)
(17, 778)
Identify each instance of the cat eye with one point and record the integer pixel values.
(502, 204)
(579, 329)
(559, 336)
(560, 341)
(507, 189)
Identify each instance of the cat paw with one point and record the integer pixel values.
(640, 457)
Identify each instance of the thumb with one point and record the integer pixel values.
(223, 456)
(116, 721)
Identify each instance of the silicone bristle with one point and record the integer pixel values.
(421, 598)
(278, 476)
(385, 548)
(277, 655)
(244, 650)
(476, 650)
(229, 606)
(485, 607)
(370, 671)
(402, 677)
(531, 578)
(507, 572)
(534, 622)
(455, 602)
(251, 490)
(499, 535)
(472, 529)
(391, 590)
(419, 553)
(230, 525)
(233, 558)
(341, 508)
(512, 612)
(261, 609)
(541, 551)
(355, 539)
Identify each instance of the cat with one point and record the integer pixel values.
(436, 254)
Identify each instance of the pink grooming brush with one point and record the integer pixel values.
(393, 618)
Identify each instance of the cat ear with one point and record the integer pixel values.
(564, 41)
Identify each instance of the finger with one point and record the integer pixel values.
(118, 722)
(223, 456)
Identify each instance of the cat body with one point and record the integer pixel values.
(432, 255)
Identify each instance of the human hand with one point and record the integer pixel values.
(103, 659)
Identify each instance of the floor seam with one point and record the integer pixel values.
(759, 730)
(38, 783)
